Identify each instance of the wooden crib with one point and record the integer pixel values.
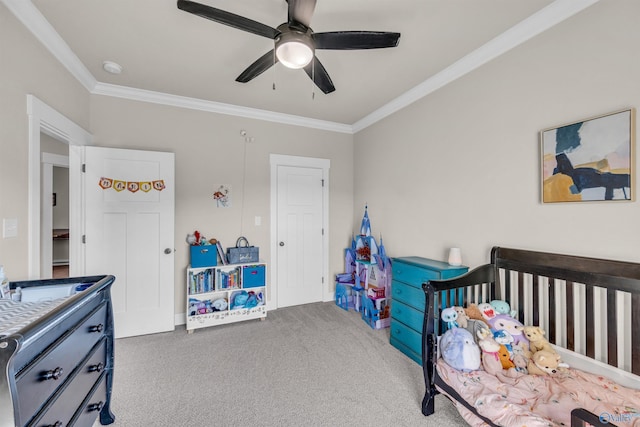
(590, 307)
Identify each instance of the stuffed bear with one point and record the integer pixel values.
(473, 312)
(543, 363)
(459, 350)
(462, 316)
(537, 341)
(520, 358)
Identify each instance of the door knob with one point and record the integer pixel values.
(281, 243)
(168, 251)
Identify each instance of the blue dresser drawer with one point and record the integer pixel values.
(412, 274)
(408, 299)
(407, 315)
(407, 336)
(409, 295)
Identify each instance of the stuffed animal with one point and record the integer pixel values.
(543, 363)
(473, 312)
(462, 317)
(220, 304)
(504, 322)
(449, 316)
(520, 358)
(490, 352)
(459, 350)
(505, 357)
(487, 311)
(505, 338)
(502, 307)
(474, 325)
(537, 341)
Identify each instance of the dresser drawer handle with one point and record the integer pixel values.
(96, 368)
(57, 424)
(52, 375)
(96, 328)
(95, 406)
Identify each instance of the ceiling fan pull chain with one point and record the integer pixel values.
(274, 70)
(313, 78)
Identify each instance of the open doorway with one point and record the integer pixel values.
(45, 121)
(54, 214)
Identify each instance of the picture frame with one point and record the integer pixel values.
(589, 160)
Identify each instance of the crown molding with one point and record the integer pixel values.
(33, 20)
(537, 23)
(216, 107)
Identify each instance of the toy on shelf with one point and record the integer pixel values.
(366, 284)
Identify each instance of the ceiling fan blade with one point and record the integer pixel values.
(228, 18)
(301, 11)
(316, 72)
(261, 65)
(348, 40)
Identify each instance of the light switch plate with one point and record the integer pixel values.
(9, 227)
(258, 220)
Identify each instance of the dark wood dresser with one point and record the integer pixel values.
(58, 370)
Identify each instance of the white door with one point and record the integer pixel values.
(130, 234)
(299, 235)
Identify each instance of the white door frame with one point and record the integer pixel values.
(43, 118)
(277, 160)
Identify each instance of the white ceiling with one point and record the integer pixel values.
(170, 56)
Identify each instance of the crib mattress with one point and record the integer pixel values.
(533, 400)
(15, 315)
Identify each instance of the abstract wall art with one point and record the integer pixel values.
(590, 160)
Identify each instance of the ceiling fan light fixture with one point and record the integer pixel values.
(294, 49)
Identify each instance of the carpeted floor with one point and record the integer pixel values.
(312, 365)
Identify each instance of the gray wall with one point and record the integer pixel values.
(209, 151)
(26, 68)
(465, 169)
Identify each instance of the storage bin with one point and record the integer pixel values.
(253, 276)
(204, 256)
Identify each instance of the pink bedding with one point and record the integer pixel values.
(534, 400)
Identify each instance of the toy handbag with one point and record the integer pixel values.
(242, 253)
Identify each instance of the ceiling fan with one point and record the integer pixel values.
(294, 41)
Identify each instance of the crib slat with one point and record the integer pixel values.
(612, 329)
(552, 311)
(521, 297)
(507, 288)
(570, 317)
(536, 301)
(590, 328)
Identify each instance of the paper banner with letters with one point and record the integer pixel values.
(132, 186)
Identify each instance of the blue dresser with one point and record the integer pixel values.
(407, 305)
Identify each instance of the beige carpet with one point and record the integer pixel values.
(311, 365)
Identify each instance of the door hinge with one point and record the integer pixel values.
(322, 279)
(84, 238)
(322, 182)
(84, 167)
(323, 231)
